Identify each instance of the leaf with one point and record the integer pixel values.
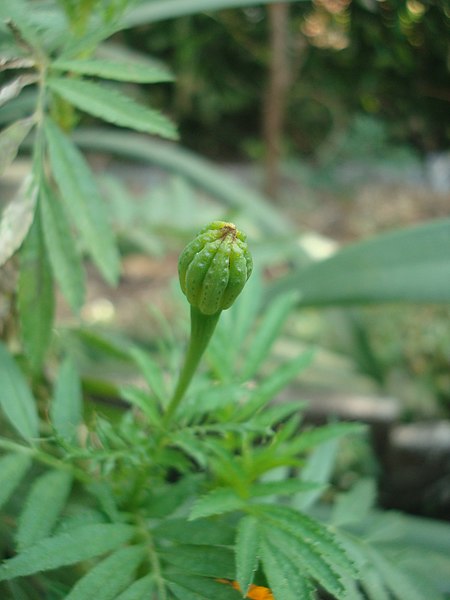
(216, 502)
(13, 468)
(209, 561)
(400, 585)
(111, 105)
(35, 296)
(13, 88)
(246, 551)
(43, 506)
(110, 576)
(63, 549)
(283, 575)
(266, 333)
(151, 371)
(119, 70)
(16, 219)
(191, 587)
(409, 264)
(16, 398)
(314, 437)
(211, 531)
(63, 255)
(142, 589)
(157, 10)
(195, 169)
(10, 140)
(318, 468)
(140, 398)
(354, 506)
(66, 410)
(282, 488)
(302, 557)
(312, 532)
(83, 201)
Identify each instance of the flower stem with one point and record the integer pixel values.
(202, 328)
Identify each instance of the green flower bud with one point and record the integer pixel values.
(214, 267)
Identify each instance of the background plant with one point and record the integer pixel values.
(118, 505)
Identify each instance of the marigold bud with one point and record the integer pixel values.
(214, 267)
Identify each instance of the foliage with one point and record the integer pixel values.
(136, 505)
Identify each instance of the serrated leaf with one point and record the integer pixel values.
(64, 257)
(119, 70)
(79, 192)
(283, 575)
(112, 106)
(216, 502)
(190, 587)
(13, 468)
(142, 589)
(208, 561)
(191, 445)
(43, 506)
(140, 398)
(10, 140)
(307, 529)
(35, 296)
(109, 577)
(66, 409)
(16, 219)
(247, 551)
(304, 558)
(266, 334)
(63, 549)
(16, 398)
(212, 531)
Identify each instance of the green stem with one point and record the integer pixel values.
(202, 328)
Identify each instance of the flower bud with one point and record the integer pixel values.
(214, 267)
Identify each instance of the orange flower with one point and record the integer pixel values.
(255, 592)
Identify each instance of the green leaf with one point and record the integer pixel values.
(409, 264)
(191, 587)
(303, 558)
(151, 12)
(209, 561)
(16, 219)
(43, 506)
(266, 334)
(246, 551)
(283, 573)
(66, 410)
(140, 398)
(282, 488)
(318, 468)
(110, 105)
(314, 437)
(195, 169)
(312, 532)
(354, 505)
(83, 543)
(83, 201)
(142, 589)
(64, 257)
(35, 296)
(109, 577)
(16, 398)
(10, 140)
(13, 468)
(151, 371)
(216, 502)
(120, 70)
(400, 585)
(212, 531)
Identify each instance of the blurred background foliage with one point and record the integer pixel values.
(346, 58)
